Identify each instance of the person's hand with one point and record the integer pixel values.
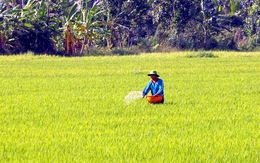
(155, 95)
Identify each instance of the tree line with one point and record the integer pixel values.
(78, 27)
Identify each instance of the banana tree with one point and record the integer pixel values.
(82, 26)
(39, 27)
(89, 23)
(30, 27)
(8, 22)
(69, 36)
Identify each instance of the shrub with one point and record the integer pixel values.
(249, 43)
(202, 55)
(147, 44)
(95, 51)
(226, 42)
(126, 51)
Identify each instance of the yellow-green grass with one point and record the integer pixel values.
(57, 109)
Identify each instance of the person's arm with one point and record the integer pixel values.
(147, 88)
(161, 87)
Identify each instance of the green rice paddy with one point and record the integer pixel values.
(57, 109)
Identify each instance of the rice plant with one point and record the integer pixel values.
(56, 109)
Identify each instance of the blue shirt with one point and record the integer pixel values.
(156, 88)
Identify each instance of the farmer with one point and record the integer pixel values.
(155, 85)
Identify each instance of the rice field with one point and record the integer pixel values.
(57, 109)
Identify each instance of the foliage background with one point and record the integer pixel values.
(42, 26)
